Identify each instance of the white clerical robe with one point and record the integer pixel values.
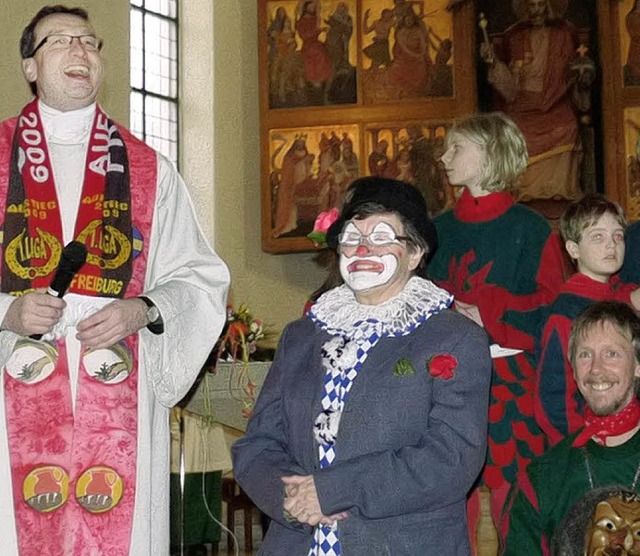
(188, 283)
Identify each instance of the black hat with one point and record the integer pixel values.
(395, 196)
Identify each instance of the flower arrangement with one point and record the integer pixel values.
(322, 224)
(239, 340)
(238, 344)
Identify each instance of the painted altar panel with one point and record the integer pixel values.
(330, 72)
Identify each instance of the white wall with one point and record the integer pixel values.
(221, 105)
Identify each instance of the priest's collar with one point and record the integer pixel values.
(68, 128)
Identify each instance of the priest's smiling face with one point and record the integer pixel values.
(67, 76)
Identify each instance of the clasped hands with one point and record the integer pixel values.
(301, 502)
(38, 312)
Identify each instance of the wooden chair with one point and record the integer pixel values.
(237, 500)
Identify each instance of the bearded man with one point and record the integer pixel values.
(604, 351)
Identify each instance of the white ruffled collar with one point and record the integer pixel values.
(339, 313)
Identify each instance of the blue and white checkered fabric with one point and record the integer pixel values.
(337, 384)
(325, 541)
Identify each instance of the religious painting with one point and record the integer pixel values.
(311, 53)
(632, 154)
(346, 84)
(629, 17)
(311, 169)
(411, 152)
(537, 63)
(407, 50)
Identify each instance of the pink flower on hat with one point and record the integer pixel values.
(325, 219)
(322, 224)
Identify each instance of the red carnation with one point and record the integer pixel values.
(442, 366)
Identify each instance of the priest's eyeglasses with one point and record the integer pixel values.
(377, 239)
(59, 41)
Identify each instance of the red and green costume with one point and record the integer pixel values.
(503, 258)
(558, 403)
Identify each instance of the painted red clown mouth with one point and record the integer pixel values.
(363, 265)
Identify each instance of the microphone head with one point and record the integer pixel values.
(73, 256)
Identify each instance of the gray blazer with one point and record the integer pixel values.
(408, 450)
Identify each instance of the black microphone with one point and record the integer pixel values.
(73, 256)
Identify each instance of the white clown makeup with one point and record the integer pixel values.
(363, 273)
(377, 271)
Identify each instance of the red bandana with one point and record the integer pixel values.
(605, 426)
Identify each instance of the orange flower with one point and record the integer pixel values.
(237, 329)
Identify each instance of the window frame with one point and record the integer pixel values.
(141, 6)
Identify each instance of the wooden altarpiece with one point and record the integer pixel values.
(620, 39)
(352, 88)
(342, 95)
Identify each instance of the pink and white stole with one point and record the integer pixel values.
(74, 472)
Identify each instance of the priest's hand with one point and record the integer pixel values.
(301, 502)
(33, 313)
(112, 323)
